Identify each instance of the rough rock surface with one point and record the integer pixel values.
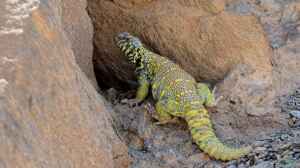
(207, 41)
(170, 145)
(280, 20)
(50, 115)
(242, 116)
(199, 35)
(79, 29)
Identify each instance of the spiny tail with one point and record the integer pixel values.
(204, 136)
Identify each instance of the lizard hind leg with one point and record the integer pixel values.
(164, 110)
(206, 95)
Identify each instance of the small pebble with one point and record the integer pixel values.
(295, 113)
(231, 166)
(296, 156)
(263, 165)
(260, 149)
(259, 143)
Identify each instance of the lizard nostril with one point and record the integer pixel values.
(123, 35)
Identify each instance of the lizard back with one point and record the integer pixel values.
(177, 94)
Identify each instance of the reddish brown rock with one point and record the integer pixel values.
(50, 115)
(79, 29)
(281, 24)
(248, 104)
(198, 35)
(208, 42)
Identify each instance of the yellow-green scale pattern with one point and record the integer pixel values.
(177, 95)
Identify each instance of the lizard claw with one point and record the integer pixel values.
(214, 90)
(218, 98)
(168, 121)
(151, 110)
(131, 102)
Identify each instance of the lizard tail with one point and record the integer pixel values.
(204, 136)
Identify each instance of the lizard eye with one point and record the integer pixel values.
(136, 42)
(123, 35)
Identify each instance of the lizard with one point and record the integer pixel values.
(177, 95)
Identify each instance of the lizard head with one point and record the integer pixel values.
(130, 45)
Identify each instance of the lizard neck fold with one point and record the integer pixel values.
(137, 54)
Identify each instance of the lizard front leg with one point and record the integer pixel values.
(142, 91)
(143, 88)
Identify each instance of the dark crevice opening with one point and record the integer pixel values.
(106, 81)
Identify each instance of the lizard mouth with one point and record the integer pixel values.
(122, 37)
(125, 38)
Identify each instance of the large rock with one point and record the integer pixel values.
(263, 105)
(198, 35)
(79, 29)
(211, 44)
(50, 115)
